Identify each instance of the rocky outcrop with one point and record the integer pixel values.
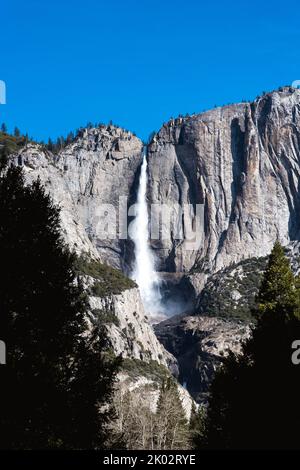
(98, 168)
(242, 163)
(129, 331)
(230, 293)
(115, 304)
(199, 343)
(146, 389)
(86, 179)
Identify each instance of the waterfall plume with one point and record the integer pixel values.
(144, 270)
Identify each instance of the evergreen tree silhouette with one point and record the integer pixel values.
(171, 430)
(57, 380)
(3, 128)
(254, 402)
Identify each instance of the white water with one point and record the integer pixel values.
(144, 271)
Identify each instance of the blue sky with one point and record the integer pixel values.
(139, 62)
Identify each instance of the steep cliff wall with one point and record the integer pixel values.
(243, 163)
(200, 343)
(98, 168)
(240, 162)
(130, 333)
(115, 304)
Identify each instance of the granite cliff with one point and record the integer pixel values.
(241, 163)
(98, 168)
(95, 170)
(199, 344)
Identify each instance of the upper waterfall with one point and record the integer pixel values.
(144, 269)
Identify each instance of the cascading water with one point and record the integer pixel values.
(144, 270)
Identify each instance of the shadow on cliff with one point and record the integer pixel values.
(178, 296)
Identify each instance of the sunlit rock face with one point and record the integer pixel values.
(242, 162)
(146, 392)
(96, 170)
(130, 334)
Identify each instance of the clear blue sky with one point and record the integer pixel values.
(139, 62)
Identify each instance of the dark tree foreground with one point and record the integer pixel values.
(56, 380)
(254, 400)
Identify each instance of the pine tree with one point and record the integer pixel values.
(50, 145)
(254, 399)
(4, 128)
(56, 379)
(171, 429)
(196, 424)
(297, 286)
(60, 143)
(278, 284)
(70, 138)
(17, 132)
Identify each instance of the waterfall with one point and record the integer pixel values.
(144, 270)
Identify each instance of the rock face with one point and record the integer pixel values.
(239, 163)
(145, 389)
(98, 168)
(230, 293)
(115, 304)
(130, 333)
(199, 344)
(242, 162)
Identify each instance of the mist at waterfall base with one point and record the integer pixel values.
(154, 292)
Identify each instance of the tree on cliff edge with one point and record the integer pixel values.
(56, 381)
(254, 401)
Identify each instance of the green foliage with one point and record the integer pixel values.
(254, 399)
(108, 280)
(62, 142)
(9, 144)
(278, 284)
(297, 287)
(172, 426)
(105, 317)
(243, 278)
(197, 423)
(57, 379)
(152, 369)
(17, 132)
(3, 128)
